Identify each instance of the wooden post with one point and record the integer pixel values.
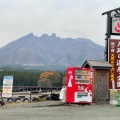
(30, 96)
(51, 94)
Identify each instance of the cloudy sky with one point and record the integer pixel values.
(66, 18)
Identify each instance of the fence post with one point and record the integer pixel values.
(30, 96)
(51, 94)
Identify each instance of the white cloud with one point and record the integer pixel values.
(66, 18)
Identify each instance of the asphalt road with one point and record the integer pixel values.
(54, 110)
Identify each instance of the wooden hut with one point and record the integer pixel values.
(101, 79)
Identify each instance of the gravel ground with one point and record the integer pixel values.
(55, 110)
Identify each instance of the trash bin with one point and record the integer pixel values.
(63, 94)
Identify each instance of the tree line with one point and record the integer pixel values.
(31, 78)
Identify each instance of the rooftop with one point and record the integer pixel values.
(97, 64)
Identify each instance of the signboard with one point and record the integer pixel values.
(115, 26)
(114, 60)
(7, 86)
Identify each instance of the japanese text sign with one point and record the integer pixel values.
(114, 60)
(7, 86)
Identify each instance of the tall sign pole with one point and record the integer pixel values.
(107, 35)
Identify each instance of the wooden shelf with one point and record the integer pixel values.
(82, 82)
(81, 79)
(82, 74)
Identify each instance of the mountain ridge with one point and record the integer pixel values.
(50, 50)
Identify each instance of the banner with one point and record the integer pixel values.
(114, 60)
(7, 86)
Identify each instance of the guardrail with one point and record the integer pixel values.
(32, 96)
(34, 88)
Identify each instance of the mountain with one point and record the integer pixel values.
(50, 50)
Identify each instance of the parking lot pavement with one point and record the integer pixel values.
(55, 110)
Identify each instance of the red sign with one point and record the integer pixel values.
(114, 60)
(115, 25)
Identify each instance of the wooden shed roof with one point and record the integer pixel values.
(97, 64)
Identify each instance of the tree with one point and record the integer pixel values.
(42, 83)
(64, 81)
(49, 79)
(21, 78)
(53, 80)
